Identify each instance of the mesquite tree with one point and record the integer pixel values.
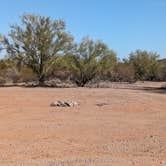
(145, 64)
(88, 60)
(37, 43)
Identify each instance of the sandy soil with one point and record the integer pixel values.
(130, 130)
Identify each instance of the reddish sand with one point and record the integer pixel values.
(129, 131)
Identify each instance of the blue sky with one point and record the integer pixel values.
(125, 25)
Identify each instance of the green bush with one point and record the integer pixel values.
(2, 80)
(27, 75)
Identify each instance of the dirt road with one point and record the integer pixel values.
(110, 127)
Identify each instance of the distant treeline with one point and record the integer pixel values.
(41, 49)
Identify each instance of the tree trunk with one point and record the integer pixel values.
(41, 81)
(41, 77)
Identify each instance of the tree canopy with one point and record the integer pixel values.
(89, 59)
(37, 43)
(145, 64)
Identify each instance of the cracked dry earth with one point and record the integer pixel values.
(129, 131)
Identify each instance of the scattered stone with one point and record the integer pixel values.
(64, 104)
(102, 104)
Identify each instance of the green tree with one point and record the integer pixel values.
(162, 70)
(145, 64)
(107, 65)
(90, 58)
(37, 43)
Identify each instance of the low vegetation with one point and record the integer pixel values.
(40, 48)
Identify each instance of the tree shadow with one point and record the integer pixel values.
(160, 90)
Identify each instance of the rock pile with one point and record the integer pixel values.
(64, 104)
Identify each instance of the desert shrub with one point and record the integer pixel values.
(13, 74)
(4, 65)
(59, 69)
(26, 74)
(161, 75)
(62, 74)
(8, 70)
(2, 80)
(145, 64)
(124, 72)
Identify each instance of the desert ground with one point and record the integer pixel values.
(110, 126)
